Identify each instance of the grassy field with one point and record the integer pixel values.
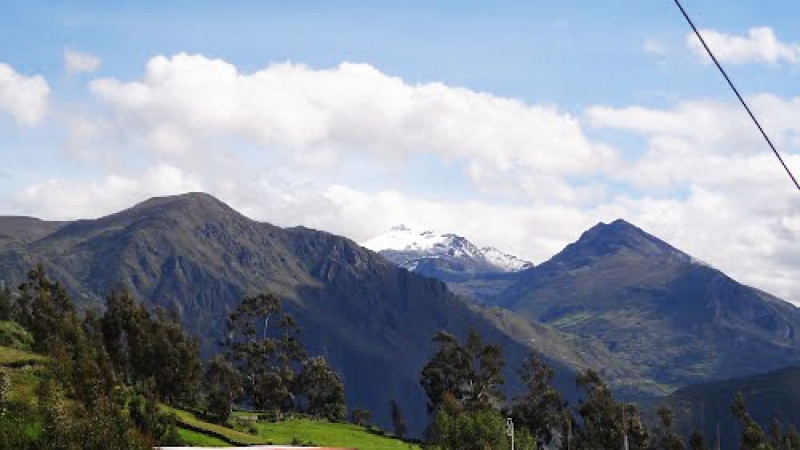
(317, 432)
(11, 357)
(190, 422)
(23, 369)
(196, 439)
(329, 434)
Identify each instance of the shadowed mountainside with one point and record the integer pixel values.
(677, 319)
(773, 395)
(196, 256)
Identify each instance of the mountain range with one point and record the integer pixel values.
(649, 317)
(197, 257)
(672, 319)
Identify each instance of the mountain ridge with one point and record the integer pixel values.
(197, 257)
(657, 307)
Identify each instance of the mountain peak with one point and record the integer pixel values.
(194, 199)
(410, 246)
(621, 235)
(197, 205)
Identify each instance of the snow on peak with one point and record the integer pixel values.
(418, 243)
(404, 238)
(508, 263)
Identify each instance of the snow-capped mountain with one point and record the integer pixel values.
(425, 251)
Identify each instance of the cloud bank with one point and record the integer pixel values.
(339, 149)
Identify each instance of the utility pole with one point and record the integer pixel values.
(569, 431)
(718, 442)
(510, 430)
(624, 427)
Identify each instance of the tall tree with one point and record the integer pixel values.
(601, 415)
(539, 409)
(264, 344)
(472, 373)
(668, 439)
(150, 346)
(753, 437)
(124, 333)
(223, 387)
(46, 311)
(176, 367)
(323, 390)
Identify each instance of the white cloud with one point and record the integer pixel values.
(268, 143)
(706, 139)
(73, 199)
(24, 98)
(77, 62)
(760, 45)
(319, 117)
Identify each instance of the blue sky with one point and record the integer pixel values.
(516, 123)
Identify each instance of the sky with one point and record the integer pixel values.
(518, 124)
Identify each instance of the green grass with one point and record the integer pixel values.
(14, 336)
(189, 420)
(320, 432)
(11, 357)
(194, 431)
(197, 439)
(23, 369)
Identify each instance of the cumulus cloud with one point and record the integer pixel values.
(318, 117)
(23, 97)
(267, 143)
(77, 62)
(686, 140)
(759, 45)
(74, 199)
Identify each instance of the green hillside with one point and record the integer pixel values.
(248, 430)
(24, 369)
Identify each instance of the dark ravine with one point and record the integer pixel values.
(196, 256)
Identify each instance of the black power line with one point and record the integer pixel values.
(736, 91)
